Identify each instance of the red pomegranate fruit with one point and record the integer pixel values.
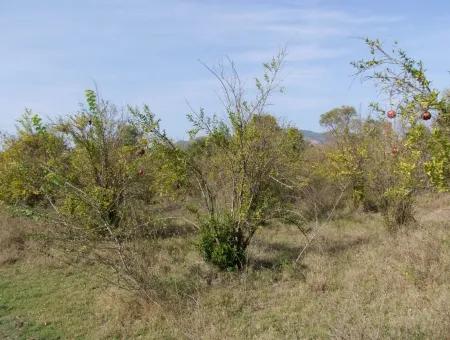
(394, 150)
(426, 115)
(391, 114)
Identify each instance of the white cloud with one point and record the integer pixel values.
(296, 53)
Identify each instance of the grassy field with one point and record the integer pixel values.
(356, 281)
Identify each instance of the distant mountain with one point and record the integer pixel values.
(183, 144)
(315, 137)
(310, 136)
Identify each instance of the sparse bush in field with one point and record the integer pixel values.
(241, 167)
(411, 95)
(317, 190)
(344, 160)
(108, 171)
(104, 211)
(418, 153)
(367, 154)
(358, 155)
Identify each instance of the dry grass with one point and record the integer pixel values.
(356, 281)
(21, 240)
(13, 238)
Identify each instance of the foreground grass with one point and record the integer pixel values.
(45, 302)
(356, 281)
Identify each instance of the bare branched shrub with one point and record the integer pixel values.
(237, 166)
(125, 252)
(316, 190)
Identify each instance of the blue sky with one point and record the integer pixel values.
(147, 52)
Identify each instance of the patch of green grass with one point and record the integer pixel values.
(45, 303)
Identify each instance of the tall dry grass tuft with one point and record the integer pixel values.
(23, 238)
(13, 238)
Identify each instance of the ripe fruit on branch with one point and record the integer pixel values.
(394, 150)
(391, 114)
(426, 115)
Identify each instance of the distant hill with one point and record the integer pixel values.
(314, 137)
(310, 136)
(183, 144)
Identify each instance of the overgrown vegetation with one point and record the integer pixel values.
(245, 204)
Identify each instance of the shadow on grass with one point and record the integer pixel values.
(276, 254)
(339, 246)
(172, 230)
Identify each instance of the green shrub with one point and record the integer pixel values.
(222, 243)
(420, 157)
(109, 171)
(25, 160)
